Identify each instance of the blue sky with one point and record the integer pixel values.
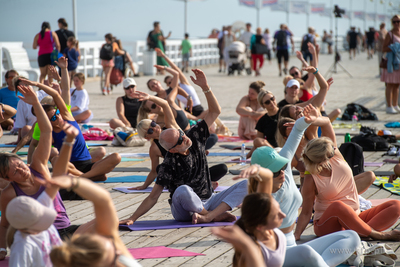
(131, 20)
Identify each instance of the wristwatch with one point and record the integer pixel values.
(189, 97)
(2, 106)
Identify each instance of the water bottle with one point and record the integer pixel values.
(354, 121)
(243, 155)
(347, 138)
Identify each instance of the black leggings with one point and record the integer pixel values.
(218, 171)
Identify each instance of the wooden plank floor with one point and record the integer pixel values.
(364, 88)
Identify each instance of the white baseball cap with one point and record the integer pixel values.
(293, 82)
(27, 213)
(128, 82)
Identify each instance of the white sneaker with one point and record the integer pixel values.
(115, 142)
(391, 110)
(109, 91)
(397, 108)
(105, 91)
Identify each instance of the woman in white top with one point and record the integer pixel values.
(80, 100)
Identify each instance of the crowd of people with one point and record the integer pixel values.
(35, 225)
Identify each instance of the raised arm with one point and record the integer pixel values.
(65, 93)
(214, 108)
(181, 77)
(42, 152)
(155, 154)
(308, 192)
(318, 99)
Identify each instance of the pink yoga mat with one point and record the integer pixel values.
(160, 252)
(391, 160)
(373, 164)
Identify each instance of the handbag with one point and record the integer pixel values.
(260, 49)
(55, 54)
(384, 61)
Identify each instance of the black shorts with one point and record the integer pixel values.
(370, 45)
(282, 53)
(83, 165)
(353, 45)
(221, 54)
(44, 60)
(196, 110)
(323, 113)
(67, 232)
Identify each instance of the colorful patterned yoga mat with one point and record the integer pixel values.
(382, 182)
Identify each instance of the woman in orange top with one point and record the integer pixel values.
(329, 181)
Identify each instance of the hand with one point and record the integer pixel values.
(3, 255)
(311, 48)
(28, 82)
(299, 55)
(201, 79)
(70, 130)
(63, 181)
(248, 172)
(62, 62)
(128, 221)
(330, 82)
(56, 87)
(310, 69)
(297, 236)
(141, 187)
(53, 73)
(310, 114)
(29, 95)
(189, 105)
(159, 67)
(159, 52)
(290, 125)
(141, 96)
(392, 178)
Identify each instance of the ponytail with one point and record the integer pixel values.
(45, 25)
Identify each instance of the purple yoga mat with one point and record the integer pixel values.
(168, 224)
(391, 160)
(148, 190)
(373, 164)
(160, 252)
(4, 263)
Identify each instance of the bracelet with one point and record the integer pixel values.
(68, 143)
(165, 67)
(206, 92)
(316, 71)
(73, 186)
(189, 97)
(3, 249)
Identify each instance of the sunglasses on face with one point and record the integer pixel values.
(153, 106)
(180, 139)
(295, 73)
(129, 87)
(276, 174)
(267, 102)
(395, 21)
(54, 117)
(152, 125)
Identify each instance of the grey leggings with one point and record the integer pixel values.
(185, 201)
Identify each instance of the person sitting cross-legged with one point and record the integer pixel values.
(186, 175)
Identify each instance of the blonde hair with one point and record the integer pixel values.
(316, 151)
(261, 95)
(80, 250)
(286, 79)
(143, 112)
(143, 126)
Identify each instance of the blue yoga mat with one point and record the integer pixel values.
(125, 179)
(224, 154)
(130, 159)
(88, 144)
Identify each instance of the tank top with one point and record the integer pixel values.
(45, 44)
(62, 221)
(340, 186)
(131, 109)
(275, 258)
(181, 119)
(306, 95)
(79, 151)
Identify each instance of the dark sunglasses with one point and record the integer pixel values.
(54, 118)
(395, 21)
(153, 106)
(150, 130)
(129, 87)
(180, 139)
(276, 174)
(295, 73)
(267, 102)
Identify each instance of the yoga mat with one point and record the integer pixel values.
(235, 147)
(393, 124)
(21, 153)
(4, 263)
(88, 144)
(383, 173)
(134, 155)
(237, 172)
(382, 182)
(377, 202)
(391, 160)
(131, 169)
(95, 144)
(148, 189)
(224, 138)
(160, 252)
(344, 125)
(130, 159)
(224, 154)
(168, 224)
(125, 179)
(373, 164)
(237, 161)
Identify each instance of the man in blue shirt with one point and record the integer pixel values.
(8, 97)
(282, 38)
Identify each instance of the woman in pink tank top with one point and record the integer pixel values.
(46, 40)
(329, 182)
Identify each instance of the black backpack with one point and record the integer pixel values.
(307, 39)
(106, 52)
(353, 154)
(362, 113)
(281, 39)
(371, 142)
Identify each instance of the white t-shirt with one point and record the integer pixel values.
(79, 99)
(268, 40)
(192, 92)
(24, 112)
(246, 37)
(34, 250)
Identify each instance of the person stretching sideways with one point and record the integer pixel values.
(186, 175)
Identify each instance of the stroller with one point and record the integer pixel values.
(237, 57)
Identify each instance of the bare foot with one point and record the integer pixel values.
(394, 235)
(214, 185)
(198, 218)
(225, 217)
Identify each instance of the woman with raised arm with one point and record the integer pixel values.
(330, 189)
(23, 178)
(104, 247)
(284, 191)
